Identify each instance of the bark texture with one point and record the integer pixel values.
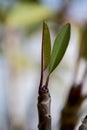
(44, 101)
(84, 124)
(69, 114)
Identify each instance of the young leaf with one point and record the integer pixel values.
(59, 48)
(83, 42)
(46, 50)
(46, 45)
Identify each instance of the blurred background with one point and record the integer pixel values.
(20, 55)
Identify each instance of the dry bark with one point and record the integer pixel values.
(84, 124)
(44, 101)
(69, 114)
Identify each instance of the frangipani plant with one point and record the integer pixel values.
(49, 61)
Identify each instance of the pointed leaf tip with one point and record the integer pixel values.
(60, 46)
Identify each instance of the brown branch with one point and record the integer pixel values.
(84, 124)
(69, 114)
(47, 80)
(44, 101)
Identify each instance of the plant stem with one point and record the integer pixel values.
(41, 79)
(47, 81)
(44, 98)
(44, 101)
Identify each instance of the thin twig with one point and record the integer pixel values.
(41, 80)
(47, 81)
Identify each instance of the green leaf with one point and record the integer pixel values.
(24, 15)
(83, 42)
(46, 45)
(59, 47)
